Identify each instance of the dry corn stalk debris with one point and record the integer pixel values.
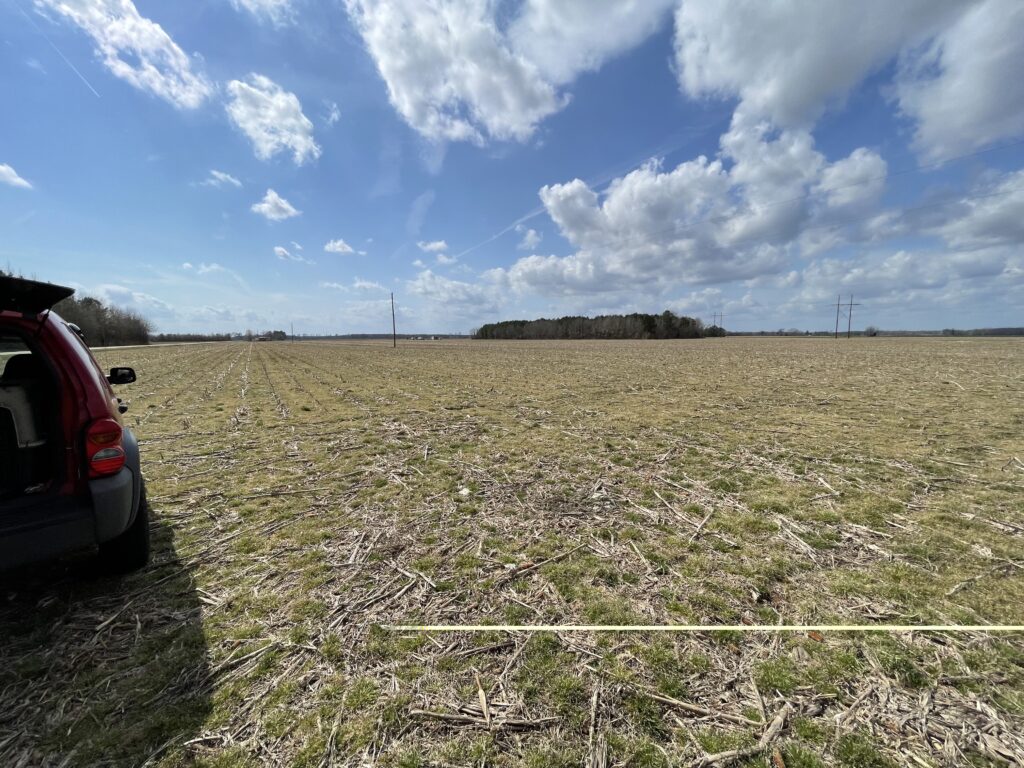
(306, 494)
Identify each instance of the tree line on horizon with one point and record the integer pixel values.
(636, 325)
(101, 325)
(160, 338)
(104, 325)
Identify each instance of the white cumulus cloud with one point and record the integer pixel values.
(475, 70)
(897, 278)
(530, 240)
(10, 177)
(786, 61)
(450, 73)
(736, 217)
(272, 118)
(854, 180)
(135, 49)
(964, 89)
(275, 207)
(457, 297)
(338, 246)
(991, 214)
(563, 38)
(957, 80)
(134, 300)
(432, 246)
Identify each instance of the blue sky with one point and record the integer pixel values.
(241, 164)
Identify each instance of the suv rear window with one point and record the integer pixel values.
(26, 418)
(11, 345)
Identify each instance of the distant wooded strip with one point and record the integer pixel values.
(667, 325)
(103, 325)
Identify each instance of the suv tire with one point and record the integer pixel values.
(129, 551)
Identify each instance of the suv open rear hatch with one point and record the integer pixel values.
(30, 297)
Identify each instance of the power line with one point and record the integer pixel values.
(849, 319)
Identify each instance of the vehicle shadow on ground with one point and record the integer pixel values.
(97, 670)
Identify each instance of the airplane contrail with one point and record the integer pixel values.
(65, 58)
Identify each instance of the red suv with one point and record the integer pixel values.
(69, 469)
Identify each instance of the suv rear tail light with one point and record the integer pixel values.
(104, 447)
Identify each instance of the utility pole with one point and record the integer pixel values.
(849, 319)
(293, 333)
(839, 299)
(394, 333)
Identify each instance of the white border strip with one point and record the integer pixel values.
(701, 628)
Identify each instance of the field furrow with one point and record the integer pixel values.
(309, 496)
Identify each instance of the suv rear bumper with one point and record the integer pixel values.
(45, 530)
(114, 501)
(56, 526)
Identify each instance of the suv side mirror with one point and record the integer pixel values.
(121, 375)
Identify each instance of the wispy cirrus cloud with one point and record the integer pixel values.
(285, 255)
(213, 268)
(331, 113)
(277, 12)
(220, 179)
(358, 284)
(367, 285)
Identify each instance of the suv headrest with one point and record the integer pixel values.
(23, 366)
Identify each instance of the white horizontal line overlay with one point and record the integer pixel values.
(697, 628)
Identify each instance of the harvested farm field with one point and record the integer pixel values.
(307, 497)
